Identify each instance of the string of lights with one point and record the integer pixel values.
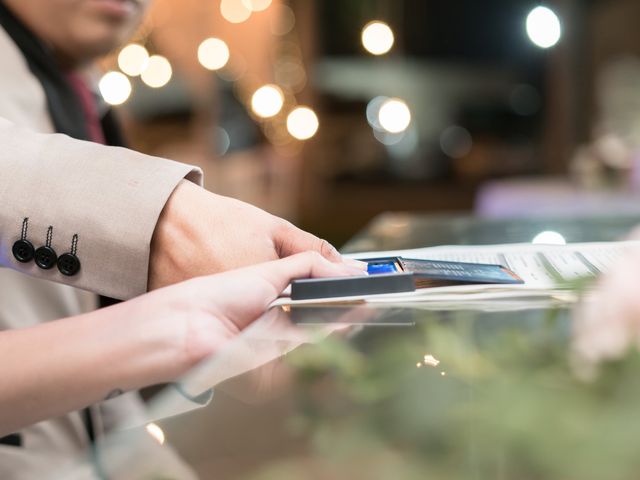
(389, 117)
(265, 103)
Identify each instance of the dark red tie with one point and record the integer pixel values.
(89, 107)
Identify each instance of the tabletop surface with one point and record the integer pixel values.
(412, 392)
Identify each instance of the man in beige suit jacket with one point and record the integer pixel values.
(76, 217)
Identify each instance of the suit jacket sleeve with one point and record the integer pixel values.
(109, 197)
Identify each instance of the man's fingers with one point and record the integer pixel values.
(291, 240)
(327, 250)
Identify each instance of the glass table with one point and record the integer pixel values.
(394, 231)
(357, 392)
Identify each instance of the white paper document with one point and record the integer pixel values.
(545, 269)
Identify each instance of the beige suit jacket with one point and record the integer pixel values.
(111, 198)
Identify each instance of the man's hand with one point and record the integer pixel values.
(201, 233)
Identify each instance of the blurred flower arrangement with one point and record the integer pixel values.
(612, 159)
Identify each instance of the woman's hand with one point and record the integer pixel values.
(215, 308)
(64, 365)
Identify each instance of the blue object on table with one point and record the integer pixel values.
(378, 268)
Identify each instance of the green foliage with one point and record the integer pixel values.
(501, 404)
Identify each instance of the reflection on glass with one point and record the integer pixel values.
(431, 361)
(549, 238)
(156, 432)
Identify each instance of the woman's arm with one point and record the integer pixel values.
(68, 364)
(65, 365)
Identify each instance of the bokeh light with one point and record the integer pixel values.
(222, 140)
(277, 134)
(373, 110)
(289, 72)
(525, 100)
(213, 53)
(386, 138)
(302, 123)
(394, 115)
(133, 59)
(235, 68)
(456, 142)
(257, 5)
(282, 20)
(543, 27)
(267, 101)
(549, 238)
(115, 88)
(377, 37)
(158, 72)
(234, 11)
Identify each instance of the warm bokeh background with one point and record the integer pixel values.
(499, 126)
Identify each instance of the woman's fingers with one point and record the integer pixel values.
(303, 265)
(241, 296)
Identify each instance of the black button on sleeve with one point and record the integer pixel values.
(13, 440)
(68, 264)
(23, 251)
(46, 257)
